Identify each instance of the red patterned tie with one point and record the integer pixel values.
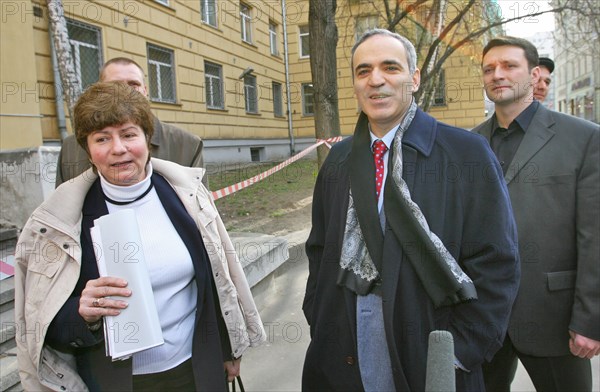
(379, 149)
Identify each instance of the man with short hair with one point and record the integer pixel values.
(542, 87)
(168, 142)
(411, 232)
(551, 163)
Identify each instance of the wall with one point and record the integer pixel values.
(20, 118)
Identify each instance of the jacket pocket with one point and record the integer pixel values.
(561, 280)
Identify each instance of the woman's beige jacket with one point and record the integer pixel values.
(48, 258)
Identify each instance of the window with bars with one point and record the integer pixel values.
(208, 9)
(364, 24)
(246, 22)
(86, 50)
(161, 74)
(308, 99)
(439, 98)
(304, 41)
(250, 94)
(213, 79)
(273, 38)
(277, 99)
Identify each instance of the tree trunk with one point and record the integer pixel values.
(60, 38)
(323, 43)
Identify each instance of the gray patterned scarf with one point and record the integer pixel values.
(444, 280)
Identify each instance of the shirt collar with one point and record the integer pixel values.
(387, 139)
(524, 118)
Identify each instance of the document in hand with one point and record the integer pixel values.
(119, 254)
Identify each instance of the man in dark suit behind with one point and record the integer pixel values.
(168, 142)
(429, 245)
(551, 164)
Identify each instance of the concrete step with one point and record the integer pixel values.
(7, 330)
(260, 254)
(7, 294)
(9, 372)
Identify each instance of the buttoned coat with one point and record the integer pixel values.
(554, 185)
(455, 179)
(48, 264)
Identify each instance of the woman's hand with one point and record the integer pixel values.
(232, 368)
(94, 304)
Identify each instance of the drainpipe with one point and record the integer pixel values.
(287, 77)
(60, 106)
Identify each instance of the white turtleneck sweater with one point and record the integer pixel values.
(171, 274)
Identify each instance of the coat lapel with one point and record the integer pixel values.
(419, 138)
(362, 183)
(536, 136)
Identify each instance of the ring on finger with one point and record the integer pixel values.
(96, 303)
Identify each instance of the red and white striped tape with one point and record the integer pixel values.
(246, 183)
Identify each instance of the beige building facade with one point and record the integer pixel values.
(214, 67)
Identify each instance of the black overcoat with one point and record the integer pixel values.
(455, 179)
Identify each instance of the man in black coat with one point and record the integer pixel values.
(551, 163)
(428, 245)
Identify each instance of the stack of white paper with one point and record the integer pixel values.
(119, 254)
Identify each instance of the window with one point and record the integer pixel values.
(246, 25)
(161, 74)
(213, 79)
(273, 38)
(439, 98)
(304, 41)
(308, 99)
(364, 24)
(208, 9)
(85, 48)
(165, 2)
(250, 94)
(277, 100)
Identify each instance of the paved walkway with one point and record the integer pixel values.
(277, 365)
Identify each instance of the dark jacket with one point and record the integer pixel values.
(554, 185)
(455, 179)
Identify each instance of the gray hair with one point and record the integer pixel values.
(411, 53)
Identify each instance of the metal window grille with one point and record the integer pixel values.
(246, 25)
(161, 74)
(277, 99)
(273, 38)
(213, 78)
(304, 41)
(250, 94)
(86, 50)
(209, 11)
(308, 99)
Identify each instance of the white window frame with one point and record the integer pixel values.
(250, 94)
(246, 22)
(303, 35)
(305, 102)
(213, 82)
(159, 66)
(277, 89)
(77, 45)
(273, 38)
(208, 10)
